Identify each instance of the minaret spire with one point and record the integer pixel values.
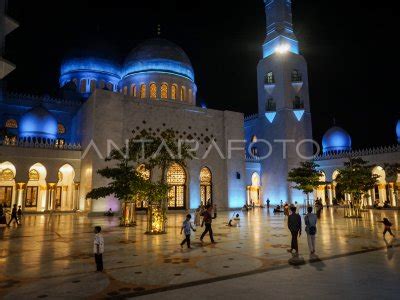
(280, 36)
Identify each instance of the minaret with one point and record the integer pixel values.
(7, 25)
(283, 104)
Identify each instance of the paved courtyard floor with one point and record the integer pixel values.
(52, 258)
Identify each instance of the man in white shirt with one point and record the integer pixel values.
(311, 229)
(98, 248)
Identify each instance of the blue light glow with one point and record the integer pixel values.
(270, 116)
(298, 113)
(336, 139)
(90, 65)
(271, 47)
(158, 65)
(398, 131)
(38, 122)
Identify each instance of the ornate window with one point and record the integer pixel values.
(6, 195)
(173, 91)
(164, 91)
(183, 92)
(271, 105)
(60, 128)
(296, 76)
(133, 90)
(7, 175)
(11, 123)
(269, 78)
(83, 86)
(92, 85)
(143, 91)
(205, 186)
(31, 196)
(153, 91)
(176, 178)
(33, 175)
(298, 103)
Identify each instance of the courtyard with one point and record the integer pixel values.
(51, 257)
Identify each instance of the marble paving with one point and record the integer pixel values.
(52, 257)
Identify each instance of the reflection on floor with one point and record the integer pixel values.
(53, 257)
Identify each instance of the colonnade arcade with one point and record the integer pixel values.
(386, 191)
(37, 194)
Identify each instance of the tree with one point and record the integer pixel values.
(392, 172)
(125, 181)
(357, 180)
(161, 153)
(306, 177)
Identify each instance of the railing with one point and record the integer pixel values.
(40, 144)
(357, 153)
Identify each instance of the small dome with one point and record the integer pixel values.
(158, 55)
(398, 131)
(336, 139)
(38, 122)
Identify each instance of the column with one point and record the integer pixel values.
(370, 200)
(330, 194)
(75, 198)
(50, 196)
(392, 195)
(382, 192)
(20, 194)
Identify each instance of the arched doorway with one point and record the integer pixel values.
(176, 179)
(64, 192)
(337, 190)
(7, 184)
(205, 186)
(141, 204)
(35, 194)
(253, 196)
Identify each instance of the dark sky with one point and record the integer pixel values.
(349, 45)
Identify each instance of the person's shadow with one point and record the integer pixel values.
(316, 262)
(296, 261)
(389, 246)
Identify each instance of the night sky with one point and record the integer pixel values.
(350, 47)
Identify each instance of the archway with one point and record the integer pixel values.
(64, 190)
(337, 190)
(206, 186)
(253, 196)
(7, 184)
(379, 193)
(176, 179)
(36, 189)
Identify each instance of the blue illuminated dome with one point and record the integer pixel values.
(38, 122)
(158, 55)
(398, 131)
(336, 139)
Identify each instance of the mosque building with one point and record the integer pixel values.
(51, 148)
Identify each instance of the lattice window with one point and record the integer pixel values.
(6, 195)
(11, 123)
(153, 91)
(7, 175)
(176, 175)
(60, 128)
(143, 91)
(269, 78)
(164, 91)
(205, 176)
(34, 175)
(173, 91)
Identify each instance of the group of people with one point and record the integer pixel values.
(16, 215)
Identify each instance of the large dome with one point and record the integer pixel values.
(398, 131)
(38, 122)
(336, 139)
(158, 55)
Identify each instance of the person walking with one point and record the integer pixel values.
(388, 226)
(294, 225)
(13, 215)
(310, 221)
(98, 248)
(187, 227)
(19, 214)
(207, 220)
(268, 202)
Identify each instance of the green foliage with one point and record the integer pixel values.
(356, 178)
(392, 171)
(306, 177)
